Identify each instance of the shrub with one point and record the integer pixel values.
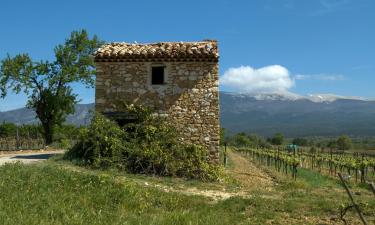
(148, 146)
(181, 160)
(99, 145)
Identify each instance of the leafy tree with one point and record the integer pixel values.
(277, 139)
(344, 142)
(241, 139)
(47, 84)
(332, 144)
(258, 141)
(300, 141)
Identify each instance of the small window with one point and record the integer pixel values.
(157, 75)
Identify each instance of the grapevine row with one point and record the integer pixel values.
(13, 144)
(361, 167)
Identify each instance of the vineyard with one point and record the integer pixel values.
(14, 144)
(359, 167)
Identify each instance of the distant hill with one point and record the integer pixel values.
(266, 114)
(27, 116)
(295, 115)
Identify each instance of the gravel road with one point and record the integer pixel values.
(28, 157)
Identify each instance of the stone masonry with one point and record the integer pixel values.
(189, 96)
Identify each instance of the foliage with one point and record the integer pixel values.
(149, 145)
(243, 140)
(277, 139)
(66, 134)
(300, 141)
(99, 145)
(222, 136)
(34, 131)
(332, 144)
(30, 136)
(341, 143)
(47, 84)
(24, 131)
(344, 142)
(8, 129)
(331, 162)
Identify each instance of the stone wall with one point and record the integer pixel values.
(190, 96)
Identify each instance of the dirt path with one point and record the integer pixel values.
(28, 157)
(248, 174)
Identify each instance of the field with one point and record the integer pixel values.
(57, 192)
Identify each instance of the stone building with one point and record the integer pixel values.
(177, 79)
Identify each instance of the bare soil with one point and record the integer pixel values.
(250, 176)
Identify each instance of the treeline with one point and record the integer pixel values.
(244, 140)
(35, 131)
(343, 142)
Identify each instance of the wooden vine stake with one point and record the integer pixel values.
(363, 219)
(372, 187)
(225, 155)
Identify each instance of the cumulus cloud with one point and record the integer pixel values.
(274, 78)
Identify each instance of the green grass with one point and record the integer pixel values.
(175, 182)
(57, 192)
(46, 194)
(315, 179)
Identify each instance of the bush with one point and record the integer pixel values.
(99, 145)
(149, 146)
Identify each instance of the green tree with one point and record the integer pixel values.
(277, 139)
(344, 142)
(48, 84)
(241, 139)
(332, 144)
(300, 141)
(257, 141)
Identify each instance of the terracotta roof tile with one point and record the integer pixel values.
(169, 51)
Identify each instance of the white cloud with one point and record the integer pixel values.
(274, 78)
(327, 77)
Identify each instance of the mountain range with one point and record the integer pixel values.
(296, 115)
(81, 116)
(266, 114)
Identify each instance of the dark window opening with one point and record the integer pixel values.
(121, 118)
(157, 75)
(127, 121)
(124, 122)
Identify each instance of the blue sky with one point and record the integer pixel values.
(302, 46)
